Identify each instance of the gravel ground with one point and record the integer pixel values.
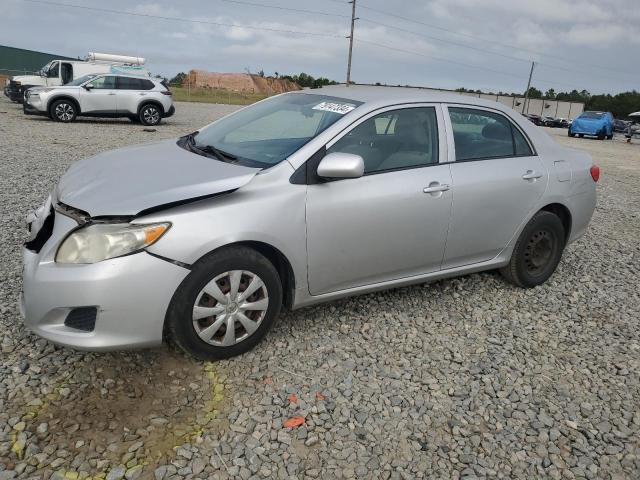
(467, 377)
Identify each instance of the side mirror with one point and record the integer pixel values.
(87, 87)
(341, 165)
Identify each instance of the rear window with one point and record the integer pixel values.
(594, 115)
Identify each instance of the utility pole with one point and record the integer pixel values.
(350, 37)
(525, 107)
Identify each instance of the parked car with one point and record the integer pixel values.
(301, 198)
(620, 126)
(564, 122)
(141, 99)
(596, 124)
(535, 119)
(554, 122)
(61, 72)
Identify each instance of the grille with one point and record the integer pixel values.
(82, 318)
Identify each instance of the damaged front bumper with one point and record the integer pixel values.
(114, 304)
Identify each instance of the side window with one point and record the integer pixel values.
(54, 70)
(521, 146)
(479, 134)
(104, 83)
(126, 83)
(394, 140)
(67, 73)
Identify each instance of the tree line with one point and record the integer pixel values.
(621, 104)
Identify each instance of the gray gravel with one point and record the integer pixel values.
(467, 377)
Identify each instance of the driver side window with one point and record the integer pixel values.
(54, 70)
(102, 83)
(394, 140)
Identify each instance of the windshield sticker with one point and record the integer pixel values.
(339, 108)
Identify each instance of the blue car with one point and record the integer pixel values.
(596, 124)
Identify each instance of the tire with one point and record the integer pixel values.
(570, 134)
(218, 269)
(610, 137)
(150, 114)
(537, 251)
(581, 135)
(63, 110)
(601, 135)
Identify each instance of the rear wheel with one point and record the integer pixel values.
(63, 111)
(150, 114)
(537, 251)
(226, 305)
(601, 135)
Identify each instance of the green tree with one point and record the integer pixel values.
(178, 79)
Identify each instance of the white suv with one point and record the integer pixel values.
(141, 99)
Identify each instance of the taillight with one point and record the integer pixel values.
(166, 92)
(595, 173)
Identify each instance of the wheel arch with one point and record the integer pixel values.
(564, 214)
(63, 97)
(277, 259)
(150, 102)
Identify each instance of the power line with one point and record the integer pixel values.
(181, 19)
(478, 49)
(467, 65)
(277, 7)
(474, 37)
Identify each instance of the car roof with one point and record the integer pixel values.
(391, 95)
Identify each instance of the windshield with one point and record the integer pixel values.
(268, 132)
(596, 115)
(80, 80)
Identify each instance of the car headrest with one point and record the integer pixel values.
(496, 131)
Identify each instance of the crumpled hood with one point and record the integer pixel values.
(129, 180)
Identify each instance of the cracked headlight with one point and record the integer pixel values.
(98, 242)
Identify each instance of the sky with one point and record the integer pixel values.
(479, 44)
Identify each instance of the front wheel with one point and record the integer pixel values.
(150, 115)
(226, 305)
(537, 251)
(570, 134)
(63, 111)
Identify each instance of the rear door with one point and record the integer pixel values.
(100, 97)
(497, 180)
(131, 92)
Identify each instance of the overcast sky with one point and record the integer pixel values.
(485, 44)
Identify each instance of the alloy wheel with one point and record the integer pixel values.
(64, 112)
(151, 115)
(230, 308)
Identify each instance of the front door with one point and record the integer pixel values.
(392, 222)
(497, 181)
(100, 97)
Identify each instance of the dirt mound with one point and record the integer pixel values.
(240, 82)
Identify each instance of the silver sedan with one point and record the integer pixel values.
(301, 198)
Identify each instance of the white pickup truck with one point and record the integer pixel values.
(61, 72)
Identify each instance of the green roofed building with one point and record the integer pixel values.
(18, 61)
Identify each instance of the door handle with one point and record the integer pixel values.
(142, 93)
(531, 175)
(436, 187)
(111, 93)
